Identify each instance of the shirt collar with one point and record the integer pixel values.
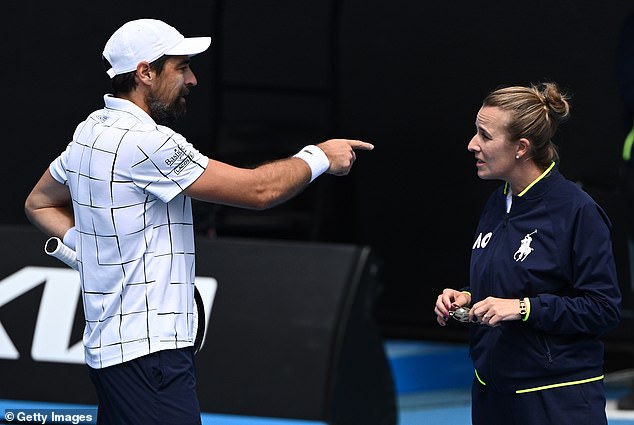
(124, 105)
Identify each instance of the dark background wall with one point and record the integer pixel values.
(406, 75)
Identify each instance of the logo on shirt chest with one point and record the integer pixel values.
(524, 250)
(482, 240)
(525, 247)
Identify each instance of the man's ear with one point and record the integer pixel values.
(144, 72)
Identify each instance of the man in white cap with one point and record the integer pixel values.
(120, 195)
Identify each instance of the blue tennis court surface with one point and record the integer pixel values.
(431, 379)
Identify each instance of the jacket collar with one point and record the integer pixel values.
(534, 182)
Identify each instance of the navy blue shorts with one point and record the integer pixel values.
(159, 388)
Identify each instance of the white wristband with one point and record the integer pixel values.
(316, 160)
(70, 238)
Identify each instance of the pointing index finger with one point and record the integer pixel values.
(358, 144)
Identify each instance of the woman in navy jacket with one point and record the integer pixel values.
(543, 285)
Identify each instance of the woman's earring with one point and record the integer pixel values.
(517, 157)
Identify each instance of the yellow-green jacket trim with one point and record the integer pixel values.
(627, 145)
(550, 167)
(547, 387)
(480, 379)
(561, 384)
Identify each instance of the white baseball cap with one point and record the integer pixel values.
(147, 40)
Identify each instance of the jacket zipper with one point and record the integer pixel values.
(544, 341)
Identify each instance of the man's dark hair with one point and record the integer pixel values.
(125, 83)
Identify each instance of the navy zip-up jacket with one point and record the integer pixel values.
(554, 247)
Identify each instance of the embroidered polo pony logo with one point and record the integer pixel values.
(525, 247)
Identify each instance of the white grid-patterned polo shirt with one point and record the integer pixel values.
(135, 237)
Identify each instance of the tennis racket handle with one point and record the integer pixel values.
(56, 248)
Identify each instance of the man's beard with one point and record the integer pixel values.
(166, 113)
